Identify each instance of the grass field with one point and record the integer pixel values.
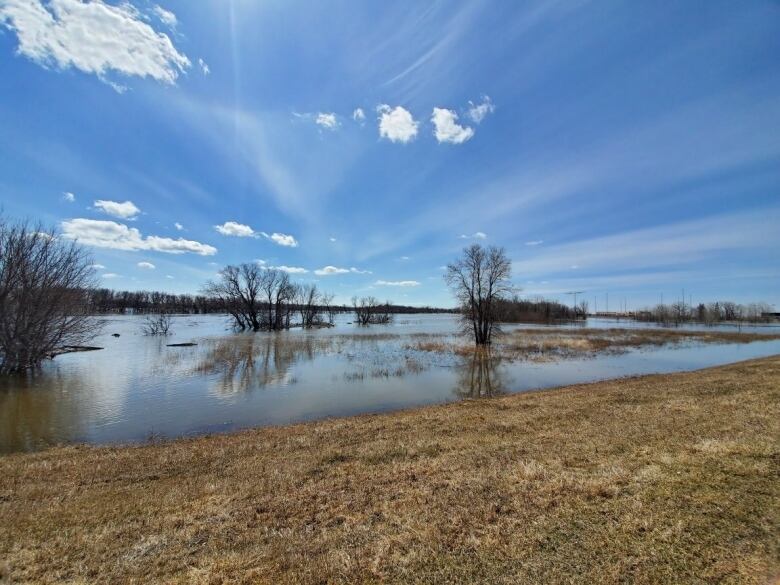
(658, 479)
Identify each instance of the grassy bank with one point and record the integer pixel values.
(669, 478)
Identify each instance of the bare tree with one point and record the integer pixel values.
(238, 288)
(480, 280)
(43, 283)
(159, 324)
(369, 311)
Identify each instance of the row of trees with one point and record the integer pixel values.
(710, 313)
(260, 298)
(105, 300)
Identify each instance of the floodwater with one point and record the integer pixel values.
(138, 388)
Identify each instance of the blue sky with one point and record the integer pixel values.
(611, 147)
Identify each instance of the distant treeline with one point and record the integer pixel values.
(104, 301)
(517, 310)
(710, 313)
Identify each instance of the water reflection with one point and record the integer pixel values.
(245, 362)
(35, 411)
(139, 386)
(481, 376)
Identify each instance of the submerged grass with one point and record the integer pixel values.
(659, 479)
(555, 343)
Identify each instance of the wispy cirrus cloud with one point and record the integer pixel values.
(117, 236)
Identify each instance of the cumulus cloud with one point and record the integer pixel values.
(204, 67)
(477, 112)
(281, 239)
(110, 275)
(447, 129)
(68, 196)
(331, 270)
(474, 236)
(178, 226)
(235, 229)
(98, 267)
(403, 283)
(359, 115)
(327, 120)
(110, 234)
(146, 265)
(167, 17)
(288, 269)
(240, 230)
(93, 37)
(396, 124)
(124, 210)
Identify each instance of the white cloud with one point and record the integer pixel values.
(110, 234)
(178, 226)
(403, 283)
(125, 210)
(477, 112)
(235, 229)
(93, 37)
(204, 67)
(396, 124)
(98, 267)
(404, 258)
(169, 276)
(288, 269)
(167, 17)
(534, 242)
(283, 239)
(240, 230)
(68, 196)
(332, 239)
(447, 129)
(110, 275)
(359, 115)
(331, 270)
(146, 265)
(327, 120)
(475, 236)
(259, 261)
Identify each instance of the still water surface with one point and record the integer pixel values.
(138, 388)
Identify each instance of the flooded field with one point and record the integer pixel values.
(138, 388)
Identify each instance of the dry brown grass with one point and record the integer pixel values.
(659, 479)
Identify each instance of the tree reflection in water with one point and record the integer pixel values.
(480, 375)
(246, 362)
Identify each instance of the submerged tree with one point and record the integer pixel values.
(480, 280)
(369, 311)
(43, 284)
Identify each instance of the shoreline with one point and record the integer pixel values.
(539, 485)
